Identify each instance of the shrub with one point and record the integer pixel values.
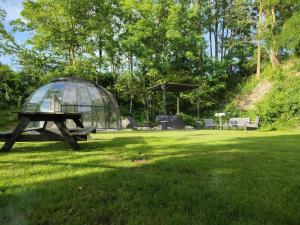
(188, 120)
(280, 108)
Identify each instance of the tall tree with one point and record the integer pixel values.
(276, 13)
(259, 39)
(271, 14)
(62, 34)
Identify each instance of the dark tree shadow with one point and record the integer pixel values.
(249, 180)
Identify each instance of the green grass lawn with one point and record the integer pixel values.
(187, 177)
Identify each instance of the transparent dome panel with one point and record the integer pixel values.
(111, 117)
(96, 104)
(69, 100)
(95, 96)
(34, 101)
(70, 96)
(83, 97)
(53, 97)
(84, 104)
(101, 122)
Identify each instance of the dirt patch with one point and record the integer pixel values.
(257, 94)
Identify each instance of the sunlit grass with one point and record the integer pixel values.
(174, 177)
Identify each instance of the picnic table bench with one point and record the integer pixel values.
(43, 134)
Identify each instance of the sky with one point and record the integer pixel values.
(13, 9)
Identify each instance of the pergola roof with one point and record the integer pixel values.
(173, 87)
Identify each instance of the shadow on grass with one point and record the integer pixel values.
(249, 180)
(93, 145)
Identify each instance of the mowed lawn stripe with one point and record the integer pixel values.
(173, 177)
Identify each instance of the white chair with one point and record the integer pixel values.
(209, 123)
(254, 125)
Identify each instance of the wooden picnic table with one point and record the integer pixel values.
(58, 118)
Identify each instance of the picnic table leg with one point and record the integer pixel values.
(45, 125)
(78, 123)
(15, 135)
(66, 134)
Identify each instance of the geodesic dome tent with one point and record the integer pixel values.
(73, 95)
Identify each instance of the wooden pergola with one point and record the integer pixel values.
(177, 89)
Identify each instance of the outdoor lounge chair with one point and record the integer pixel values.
(209, 123)
(237, 123)
(254, 125)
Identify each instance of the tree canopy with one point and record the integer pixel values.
(130, 45)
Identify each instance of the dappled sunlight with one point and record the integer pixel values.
(161, 112)
(231, 151)
(224, 171)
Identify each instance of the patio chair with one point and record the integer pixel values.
(236, 123)
(254, 125)
(209, 123)
(230, 124)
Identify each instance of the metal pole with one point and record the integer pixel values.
(164, 99)
(148, 106)
(198, 104)
(178, 110)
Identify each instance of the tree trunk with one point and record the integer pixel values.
(210, 43)
(100, 57)
(69, 56)
(72, 44)
(259, 37)
(222, 39)
(258, 60)
(216, 18)
(229, 53)
(224, 44)
(210, 31)
(273, 54)
(130, 105)
(273, 58)
(130, 62)
(226, 31)
(114, 74)
(224, 24)
(200, 33)
(73, 55)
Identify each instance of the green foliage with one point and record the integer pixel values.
(8, 117)
(275, 74)
(280, 108)
(282, 104)
(8, 44)
(13, 87)
(128, 46)
(187, 119)
(159, 41)
(289, 37)
(243, 88)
